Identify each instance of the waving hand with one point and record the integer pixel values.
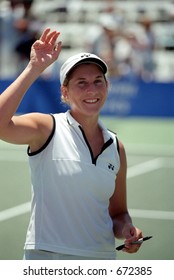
(45, 50)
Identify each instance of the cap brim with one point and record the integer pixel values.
(93, 60)
(79, 59)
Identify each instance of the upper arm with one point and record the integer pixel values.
(32, 129)
(118, 201)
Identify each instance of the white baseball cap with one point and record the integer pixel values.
(80, 59)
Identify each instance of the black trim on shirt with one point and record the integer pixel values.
(107, 144)
(46, 143)
(118, 147)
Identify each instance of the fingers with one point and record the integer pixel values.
(131, 248)
(44, 34)
(53, 37)
(58, 47)
(49, 37)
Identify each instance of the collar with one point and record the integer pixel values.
(72, 122)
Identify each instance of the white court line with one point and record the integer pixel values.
(15, 211)
(144, 167)
(133, 171)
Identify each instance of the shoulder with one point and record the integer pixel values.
(44, 125)
(120, 149)
(115, 137)
(59, 117)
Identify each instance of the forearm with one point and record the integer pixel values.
(11, 98)
(119, 223)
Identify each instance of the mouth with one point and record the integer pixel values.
(91, 101)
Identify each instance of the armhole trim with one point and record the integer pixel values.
(46, 143)
(118, 147)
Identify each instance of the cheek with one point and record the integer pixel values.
(104, 92)
(74, 94)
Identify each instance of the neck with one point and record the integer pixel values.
(93, 132)
(89, 124)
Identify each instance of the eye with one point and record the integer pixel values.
(82, 83)
(98, 82)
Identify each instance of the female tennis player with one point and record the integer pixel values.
(78, 167)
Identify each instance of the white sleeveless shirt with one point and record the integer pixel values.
(71, 192)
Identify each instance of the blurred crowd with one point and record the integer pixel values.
(18, 31)
(129, 52)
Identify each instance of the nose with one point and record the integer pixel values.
(91, 88)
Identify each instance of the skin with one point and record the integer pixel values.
(86, 93)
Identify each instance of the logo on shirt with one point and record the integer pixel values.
(110, 166)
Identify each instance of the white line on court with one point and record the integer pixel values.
(15, 211)
(144, 167)
(133, 171)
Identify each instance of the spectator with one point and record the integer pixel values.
(18, 32)
(146, 49)
(105, 44)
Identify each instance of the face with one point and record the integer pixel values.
(86, 91)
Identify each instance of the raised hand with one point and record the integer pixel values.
(46, 50)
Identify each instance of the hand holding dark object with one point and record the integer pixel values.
(139, 241)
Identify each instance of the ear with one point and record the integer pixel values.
(64, 93)
(108, 85)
